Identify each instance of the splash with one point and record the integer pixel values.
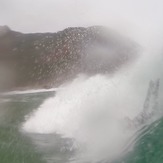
(91, 111)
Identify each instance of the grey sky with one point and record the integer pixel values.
(128, 16)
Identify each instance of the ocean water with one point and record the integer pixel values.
(89, 120)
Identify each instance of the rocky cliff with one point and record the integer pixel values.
(48, 59)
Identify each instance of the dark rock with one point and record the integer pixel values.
(48, 59)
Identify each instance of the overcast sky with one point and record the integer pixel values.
(128, 16)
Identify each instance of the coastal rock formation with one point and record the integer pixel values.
(48, 59)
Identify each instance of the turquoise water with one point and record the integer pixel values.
(19, 147)
(149, 146)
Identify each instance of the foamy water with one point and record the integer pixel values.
(17, 92)
(93, 110)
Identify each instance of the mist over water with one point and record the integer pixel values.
(92, 110)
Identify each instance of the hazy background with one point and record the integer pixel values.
(128, 16)
(142, 20)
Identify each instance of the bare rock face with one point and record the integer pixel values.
(49, 59)
(4, 30)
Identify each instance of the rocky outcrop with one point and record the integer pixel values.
(49, 59)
